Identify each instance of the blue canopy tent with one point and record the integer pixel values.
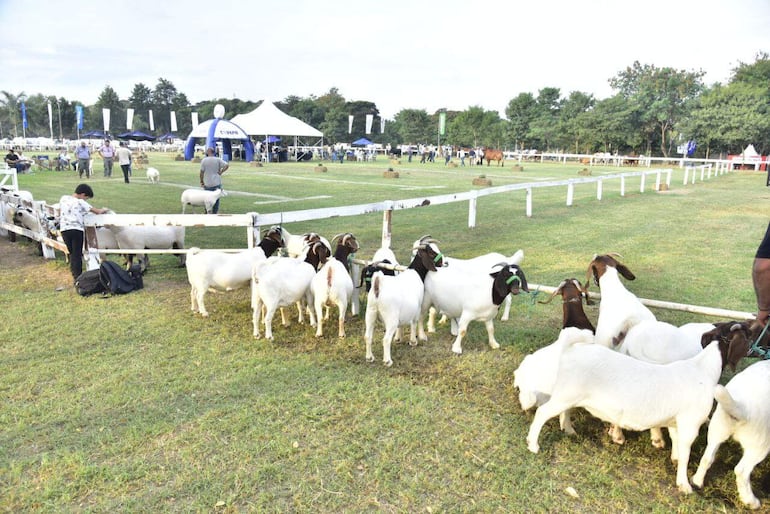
(361, 142)
(93, 134)
(167, 137)
(136, 135)
(223, 131)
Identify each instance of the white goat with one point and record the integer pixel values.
(619, 309)
(743, 412)
(333, 283)
(658, 342)
(536, 374)
(153, 175)
(282, 281)
(678, 395)
(466, 294)
(397, 299)
(140, 237)
(201, 197)
(209, 270)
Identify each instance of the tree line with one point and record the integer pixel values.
(652, 111)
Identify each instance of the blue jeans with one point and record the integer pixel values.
(214, 209)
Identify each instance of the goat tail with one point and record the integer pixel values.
(329, 277)
(728, 403)
(376, 287)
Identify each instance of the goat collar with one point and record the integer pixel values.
(577, 299)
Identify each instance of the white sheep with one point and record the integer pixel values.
(282, 281)
(153, 175)
(333, 283)
(619, 309)
(201, 197)
(397, 299)
(210, 270)
(636, 395)
(743, 413)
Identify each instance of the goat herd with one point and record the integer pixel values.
(630, 370)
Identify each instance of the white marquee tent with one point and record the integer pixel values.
(268, 120)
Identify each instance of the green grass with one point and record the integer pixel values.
(134, 404)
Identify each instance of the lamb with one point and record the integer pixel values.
(153, 176)
(397, 300)
(743, 413)
(201, 197)
(333, 283)
(139, 237)
(29, 219)
(209, 270)
(572, 294)
(465, 294)
(619, 309)
(589, 375)
(281, 281)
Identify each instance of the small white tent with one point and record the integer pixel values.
(268, 120)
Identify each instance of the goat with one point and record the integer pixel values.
(572, 294)
(619, 309)
(333, 284)
(140, 237)
(201, 197)
(743, 413)
(397, 300)
(30, 219)
(535, 376)
(678, 395)
(465, 294)
(210, 270)
(281, 281)
(294, 244)
(153, 176)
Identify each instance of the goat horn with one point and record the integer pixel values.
(336, 237)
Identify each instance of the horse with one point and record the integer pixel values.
(494, 155)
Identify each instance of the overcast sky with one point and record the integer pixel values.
(422, 54)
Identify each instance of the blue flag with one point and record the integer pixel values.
(79, 115)
(24, 115)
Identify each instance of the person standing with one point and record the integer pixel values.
(83, 155)
(107, 151)
(73, 209)
(124, 159)
(760, 277)
(212, 168)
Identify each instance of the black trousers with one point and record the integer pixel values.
(74, 241)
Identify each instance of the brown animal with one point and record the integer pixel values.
(494, 155)
(572, 294)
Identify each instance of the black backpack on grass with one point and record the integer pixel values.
(109, 279)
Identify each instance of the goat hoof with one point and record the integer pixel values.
(659, 443)
(388, 363)
(533, 447)
(370, 359)
(495, 346)
(685, 488)
(413, 343)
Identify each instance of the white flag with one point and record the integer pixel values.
(50, 119)
(152, 122)
(129, 118)
(173, 121)
(369, 121)
(350, 123)
(382, 125)
(194, 119)
(106, 116)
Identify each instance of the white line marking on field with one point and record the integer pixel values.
(316, 179)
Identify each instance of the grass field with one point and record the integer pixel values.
(134, 404)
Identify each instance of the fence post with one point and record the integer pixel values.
(599, 188)
(252, 233)
(657, 181)
(668, 177)
(570, 193)
(472, 210)
(622, 185)
(641, 183)
(387, 219)
(686, 173)
(529, 202)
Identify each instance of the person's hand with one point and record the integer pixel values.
(762, 317)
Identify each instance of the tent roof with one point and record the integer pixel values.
(267, 119)
(223, 130)
(750, 151)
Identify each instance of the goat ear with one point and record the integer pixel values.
(623, 270)
(738, 349)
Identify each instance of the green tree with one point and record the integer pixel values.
(521, 111)
(335, 124)
(572, 131)
(141, 101)
(662, 96)
(413, 126)
(108, 99)
(476, 127)
(10, 111)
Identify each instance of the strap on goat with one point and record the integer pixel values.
(755, 348)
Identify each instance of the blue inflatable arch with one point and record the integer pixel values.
(227, 148)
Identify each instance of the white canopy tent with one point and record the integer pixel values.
(268, 120)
